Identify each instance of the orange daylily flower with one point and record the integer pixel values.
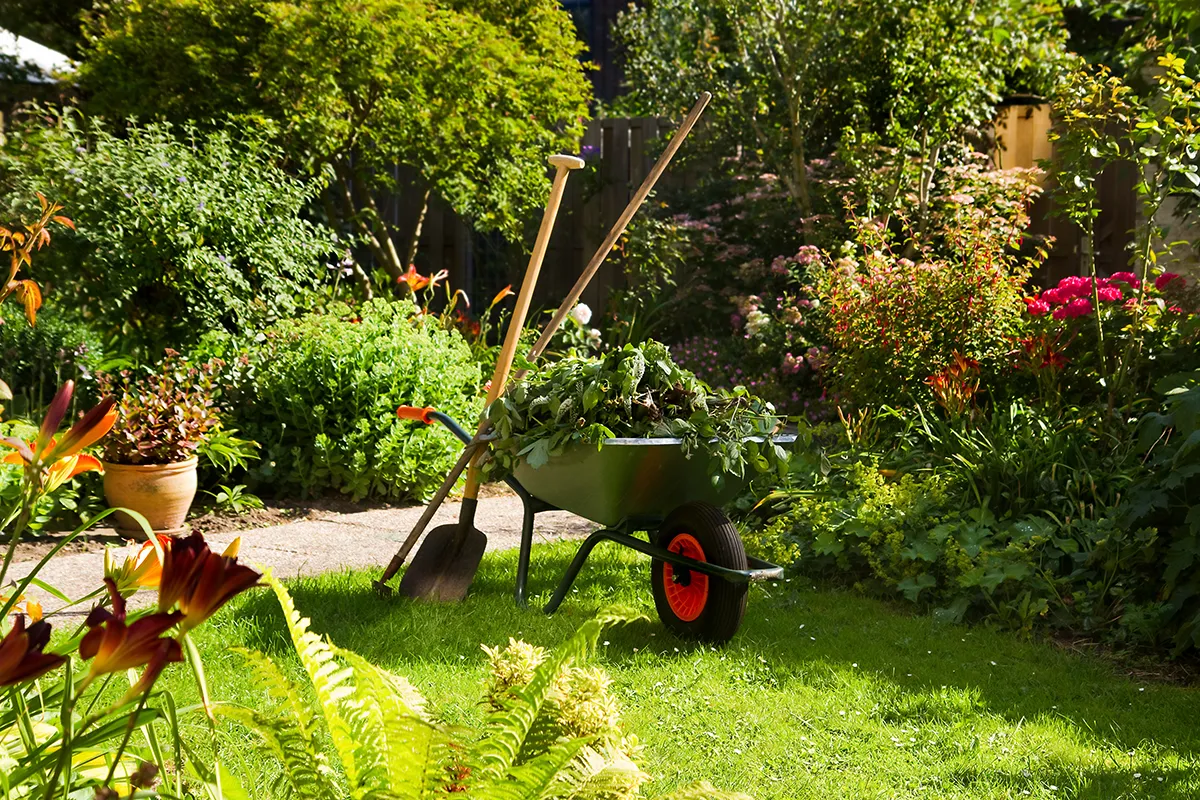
(500, 295)
(64, 457)
(21, 656)
(112, 645)
(437, 277)
(415, 280)
(32, 607)
(199, 581)
(142, 570)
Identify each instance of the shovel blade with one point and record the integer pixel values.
(445, 564)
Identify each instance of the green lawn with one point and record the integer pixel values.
(822, 694)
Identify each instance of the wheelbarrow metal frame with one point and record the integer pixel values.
(622, 533)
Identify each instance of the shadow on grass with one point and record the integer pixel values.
(917, 671)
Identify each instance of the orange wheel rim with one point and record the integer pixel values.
(686, 589)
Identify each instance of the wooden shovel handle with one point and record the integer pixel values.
(563, 165)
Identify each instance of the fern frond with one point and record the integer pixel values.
(604, 773)
(508, 727)
(279, 687)
(332, 682)
(546, 776)
(304, 766)
(409, 752)
(702, 791)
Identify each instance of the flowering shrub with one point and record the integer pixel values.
(1110, 339)
(893, 320)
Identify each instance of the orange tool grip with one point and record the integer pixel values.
(416, 414)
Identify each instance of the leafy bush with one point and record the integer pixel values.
(176, 232)
(320, 394)
(164, 417)
(1015, 514)
(471, 96)
(36, 359)
(552, 728)
(1167, 499)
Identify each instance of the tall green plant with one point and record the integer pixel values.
(470, 96)
(367, 734)
(1102, 121)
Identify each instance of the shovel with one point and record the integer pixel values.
(445, 565)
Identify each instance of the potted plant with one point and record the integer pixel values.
(150, 457)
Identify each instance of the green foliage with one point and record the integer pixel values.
(1167, 498)
(177, 232)
(1015, 515)
(387, 745)
(320, 394)
(790, 79)
(234, 499)
(472, 96)
(36, 359)
(631, 392)
(652, 256)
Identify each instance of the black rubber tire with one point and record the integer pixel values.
(725, 605)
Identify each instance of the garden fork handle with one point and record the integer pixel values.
(618, 228)
(563, 164)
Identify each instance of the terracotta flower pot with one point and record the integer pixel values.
(162, 493)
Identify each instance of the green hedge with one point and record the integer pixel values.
(320, 394)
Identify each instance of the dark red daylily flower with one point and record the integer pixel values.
(21, 656)
(199, 581)
(112, 645)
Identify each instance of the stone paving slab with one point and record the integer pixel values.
(327, 543)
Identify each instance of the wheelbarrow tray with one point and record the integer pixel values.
(629, 479)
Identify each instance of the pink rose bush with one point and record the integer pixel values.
(1118, 334)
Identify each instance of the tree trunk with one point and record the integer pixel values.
(376, 234)
(416, 234)
(360, 276)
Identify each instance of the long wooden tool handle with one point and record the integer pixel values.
(512, 338)
(622, 223)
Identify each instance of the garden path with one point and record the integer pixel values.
(314, 545)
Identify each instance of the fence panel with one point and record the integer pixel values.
(620, 153)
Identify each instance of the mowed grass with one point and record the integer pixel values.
(821, 695)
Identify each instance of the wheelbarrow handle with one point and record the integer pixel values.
(416, 413)
(429, 415)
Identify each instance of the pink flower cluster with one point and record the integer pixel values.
(1073, 295)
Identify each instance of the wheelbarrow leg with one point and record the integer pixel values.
(585, 550)
(526, 542)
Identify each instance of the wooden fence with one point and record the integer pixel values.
(620, 152)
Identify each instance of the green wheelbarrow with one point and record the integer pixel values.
(699, 570)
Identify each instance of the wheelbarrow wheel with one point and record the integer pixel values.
(690, 603)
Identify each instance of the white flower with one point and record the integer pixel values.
(581, 314)
(756, 321)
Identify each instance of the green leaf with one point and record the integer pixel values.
(912, 587)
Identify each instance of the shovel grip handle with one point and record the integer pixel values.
(416, 413)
